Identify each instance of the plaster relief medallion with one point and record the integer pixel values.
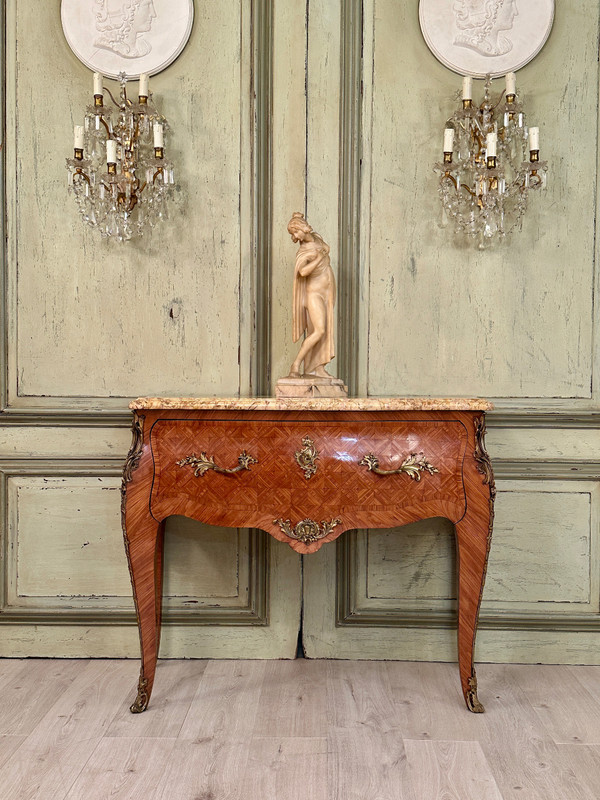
(481, 37)
(130, 36)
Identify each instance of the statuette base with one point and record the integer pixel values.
(311, 386)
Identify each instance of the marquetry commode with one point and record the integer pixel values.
(305, 471)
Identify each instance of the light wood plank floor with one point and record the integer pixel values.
(297, 730)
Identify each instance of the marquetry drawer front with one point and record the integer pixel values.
(311, 468)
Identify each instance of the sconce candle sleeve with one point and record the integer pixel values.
(158, 135)
(144, 84)
(78, 137)
(98, 87)
(534, 138)
(511, 83)
(448, 140)
(467, 92)
(111, 151)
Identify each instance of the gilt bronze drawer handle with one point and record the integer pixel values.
(307, 530)
(412, 465)
(307, 457)
(204, 463)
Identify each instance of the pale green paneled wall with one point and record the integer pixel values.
(336, 109)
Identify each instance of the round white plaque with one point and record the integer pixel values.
(130, 36)
(481, 37)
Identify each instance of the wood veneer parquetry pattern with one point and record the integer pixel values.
(341, 486)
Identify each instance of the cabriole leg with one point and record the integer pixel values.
(144, 553)
(473, 539)
(143, 536)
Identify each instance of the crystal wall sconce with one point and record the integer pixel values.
(119, 175)
(491, 163)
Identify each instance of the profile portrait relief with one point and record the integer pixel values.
(121, 25)
(483, 25)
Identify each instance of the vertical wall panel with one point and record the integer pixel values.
(101, 319)
(60, 544)
(514, 321)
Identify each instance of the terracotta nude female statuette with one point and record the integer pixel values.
(314, 297)
(313, 301)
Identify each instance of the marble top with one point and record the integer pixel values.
(314, 403)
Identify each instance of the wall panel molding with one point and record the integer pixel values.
(446, 318)
(254, 186)
(262, 209)
(102, 609)
(349, 268)
(353, 608)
